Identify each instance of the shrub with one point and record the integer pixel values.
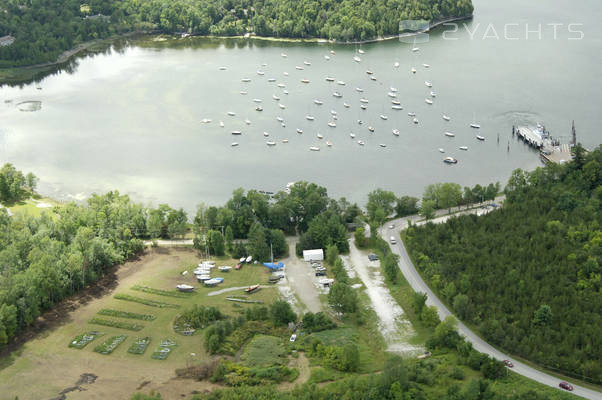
(116, 324)
(110, 344)
(126, 314)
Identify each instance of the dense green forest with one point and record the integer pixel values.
(45, 28)
(529, 274)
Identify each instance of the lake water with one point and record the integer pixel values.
(129, 118)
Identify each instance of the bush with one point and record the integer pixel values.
(126, 314)
(130, 326)
(317, 322)
(110, 344)
(281, 313)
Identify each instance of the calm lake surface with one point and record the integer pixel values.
(129, 118)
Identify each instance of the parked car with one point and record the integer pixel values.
(293, 337)
(508, 363)
(566, 386)
(321, 273)
(392, 240)
(392, 226)
(372, 257)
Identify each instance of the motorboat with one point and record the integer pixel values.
(449, 134)
(337, 95)
(185, 288)
(361, 51)
(450, 160)
(465, 148)
(272, 80)
(304, 80)
(359, 89)
(320, 136)
(326, 57)
(415, 49)
(285, 91)
(332, 124)
(383, 117)
(309, 117)
(360, 122)
(382, 145)
(428, 84)
(234, 144)
(318, 102)
(481, 138)
(266, 134)
(329, 79)
(333, 112)
(279, 119)
(433, 93)
(371, 129)
(221, 124)
(243, 92)
(361, 142)
(283, 55)
(252, 289)
(346, 105)
(396, 132)
(372, 78)
(392, 94)
(236, 132)
(342, 83)
(299, 130)
(352, 135)
(275, 97)
(206, 121)
(441, 150)
(393, 89)
(259, 108)
(314, 148)
(362, 100)
(281, 85)
(415, 120)
(396, 107)
(445, 117)
(428, 101)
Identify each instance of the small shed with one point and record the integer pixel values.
(313, 255)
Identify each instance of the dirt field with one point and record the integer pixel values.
(300, 281)
(45, 368)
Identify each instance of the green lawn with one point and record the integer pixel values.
(264, 351)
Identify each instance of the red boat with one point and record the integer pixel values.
(238, 266)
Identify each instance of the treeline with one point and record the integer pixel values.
(45, 259)
(45, 28)
(263, 220)
(528, 275)
(14, 186)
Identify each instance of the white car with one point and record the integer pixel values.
(392, 240)
(391, 226)
(293, 337)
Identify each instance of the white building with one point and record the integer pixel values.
(313, 255)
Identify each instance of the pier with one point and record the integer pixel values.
(550, 149)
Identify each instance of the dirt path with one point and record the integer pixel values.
(302, 364)
(395, 328)
(300, 280)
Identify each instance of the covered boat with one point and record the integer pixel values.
(274, 266)
(185, 288)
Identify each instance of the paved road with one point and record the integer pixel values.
(415, 280)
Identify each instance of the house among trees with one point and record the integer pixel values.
(7, 40)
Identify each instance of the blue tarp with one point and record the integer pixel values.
(274, 266)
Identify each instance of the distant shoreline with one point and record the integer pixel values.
(28, 72)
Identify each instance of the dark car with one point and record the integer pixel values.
(321, 273)
(372, 257)
(566, 386)
(508, 363)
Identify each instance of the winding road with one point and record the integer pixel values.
(418, 284)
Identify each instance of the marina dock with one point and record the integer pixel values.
(550, 148)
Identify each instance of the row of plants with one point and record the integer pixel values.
(126, 314)
(139, 346)
(233, 374)
(146, 302)
(161, 292)
(110, 344)
(130, 326)
(164, 350)
(81, 341)
(197, 317)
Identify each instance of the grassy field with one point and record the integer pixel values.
(33, 206)
(47, 365)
